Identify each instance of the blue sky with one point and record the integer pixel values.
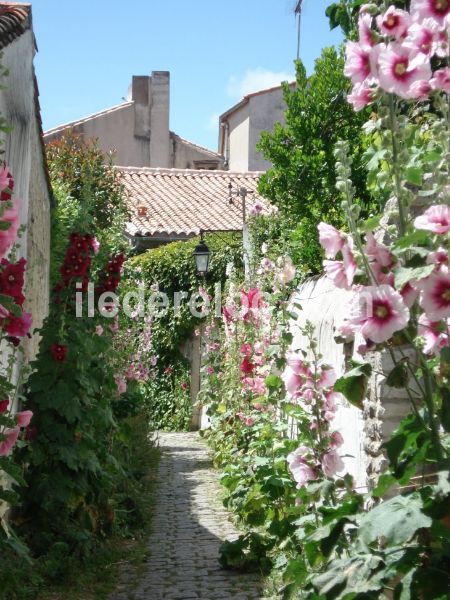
(215, 52)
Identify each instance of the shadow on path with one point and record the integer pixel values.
(188, 526)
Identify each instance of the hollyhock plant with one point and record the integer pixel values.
(331, 463)
(341, 272)
(367, 36)
(377, 312)
(441, 80)
(423, 36)
(23, 418)
(400, 67)
(358, 62)
(435, 219)
(298, 466)
(434, 333)
(361, 96)
(394, 22)
(10, 437)
(331, 239)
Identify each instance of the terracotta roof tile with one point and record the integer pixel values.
(15, 19)
(180, 202)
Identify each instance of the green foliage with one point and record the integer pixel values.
(302, 181)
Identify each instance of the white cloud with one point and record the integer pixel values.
(255, 80)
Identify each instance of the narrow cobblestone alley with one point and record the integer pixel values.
(189, 524)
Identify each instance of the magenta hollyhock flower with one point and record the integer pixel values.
(394, 22)
(357, 62)
(436, 9)
(433, 333)
(331, 463)
(301, 471)
(435, 219)
(9, 236)
(246, 366)
(366, 34)
(377, 312)
(6, 183)
(210, 370)
(361, 96)
(400, 67)
(435, 295)
(23, 418)
(441, 80)
(331, 239)
(10, 437)
(3, 406)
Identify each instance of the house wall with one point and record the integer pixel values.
(265, 110)
(24, 155)
(239, 139)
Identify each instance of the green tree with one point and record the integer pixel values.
(302, 181)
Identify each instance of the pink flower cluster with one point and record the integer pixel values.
(378, 310)
(394, 52)
(10, 435)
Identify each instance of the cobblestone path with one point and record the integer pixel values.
(189, 523)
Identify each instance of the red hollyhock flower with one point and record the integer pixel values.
(247, 366)
(12, 278)
(19, 326)
(31, 433)
(59, 352)
(4, 406)
(79, 242)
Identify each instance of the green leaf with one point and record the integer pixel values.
(355, 575)
(398, 377)
(10, 305)
(404, 275)
(444, 413)
(414, 175)
(411, 239)
(273, 382)
(371, 223)
(396, 520)
(353, 385)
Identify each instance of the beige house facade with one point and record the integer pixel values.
(241, 126)
(137, 132)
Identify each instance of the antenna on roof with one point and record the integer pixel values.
(298, 14)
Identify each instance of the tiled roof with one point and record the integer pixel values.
(15, 19)
(181, 202)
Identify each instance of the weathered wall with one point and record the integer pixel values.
(239, 140)
(265, 110)
(24, 155)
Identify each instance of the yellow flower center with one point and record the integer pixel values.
(391, 21)
(381, 312)
(441, 5)
(400, 68)
(446, 295)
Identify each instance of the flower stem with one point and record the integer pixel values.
(396, 165)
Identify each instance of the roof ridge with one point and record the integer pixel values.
(84, 119)
(204, 172)
(196, 145)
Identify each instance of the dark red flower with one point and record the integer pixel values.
(4, 406)
(19, 326)
(12, 278)
(247, 366)
(6, 193)
(31, 433)
(59, 352)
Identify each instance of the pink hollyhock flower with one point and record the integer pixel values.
(19, 326)
(258, 386)
(336, 440)
(327, 377)
(342, 272)
(436, 9)
(409, 294)
(331, 239)
(210, 370)
(99, 330)
(420, 90)
(330, 402)
(298, 365)
(440, 257)
(23, 418)
(361, 96)
(246, 349)
(6, 183)
(287, 274)
(366, 34)
(267, 264)
(292, 381)
(10, 438)
(433, 334)
(346, 331)
(301, 471)
(441, 80)
(95, 244)
(435, 295)
(307, 395)
(121, 384)
(9, 236)
(3, 406)
(400, 67)
(246, 366)
(357, 62)
(378, 252)
(331, 463)
(394, 22)
(435, 219)
(422, 36)
(249, 421)
(378, 312)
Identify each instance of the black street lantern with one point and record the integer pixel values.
(201, 255)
